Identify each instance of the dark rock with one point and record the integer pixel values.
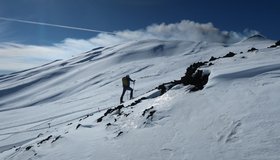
(162, 89)
(86, 116)
(137, 101)
(46, 139)
(275, 45)
(126, 114)
(188, 78)
(56, 138)
(79, 125)
(99, 119)
(119, 107)
(252, 49)
(120, 133)
(194, 76)
(69, 124)
(133, 104)
(213, 58)
(146, 110)
(272, 46)
(151, 114)
(230, 54)
(199, 80)
(108, 124)
(210, 64)
(28, 148)
(108, 111)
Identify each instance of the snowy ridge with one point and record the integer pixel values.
(53, 111)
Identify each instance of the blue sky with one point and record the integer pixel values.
(114, 15)
(26, 45)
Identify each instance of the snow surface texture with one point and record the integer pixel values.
(52, 111)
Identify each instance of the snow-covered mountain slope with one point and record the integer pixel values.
(53, 111)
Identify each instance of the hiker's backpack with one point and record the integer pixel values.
(125, 82)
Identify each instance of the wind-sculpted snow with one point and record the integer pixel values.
(252, 72)
(193, 100)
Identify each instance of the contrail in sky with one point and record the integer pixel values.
(54, 25)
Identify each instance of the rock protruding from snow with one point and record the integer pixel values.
(195, 76)
(275, 45)
(230, 54)
(252, 49)
(110, 111)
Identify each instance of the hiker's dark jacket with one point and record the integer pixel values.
(126, 81)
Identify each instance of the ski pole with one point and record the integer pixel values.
(133, 88)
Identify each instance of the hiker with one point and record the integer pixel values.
(126, 86)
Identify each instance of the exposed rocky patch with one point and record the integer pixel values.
(194, 76)
(56, 138)
(111, 110)
(213, 58)
(137, 101)
(28, 148)
(44, 140)
(78, 126)
(151, 113)
(252, 49)
(275, 45)
(147, 110)
(230, 54)
(120, 133)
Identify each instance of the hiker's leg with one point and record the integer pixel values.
(131, 92)
(123, 92)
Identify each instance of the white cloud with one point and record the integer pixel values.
(184, 30)
(16, 57)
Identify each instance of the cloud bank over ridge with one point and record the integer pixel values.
(185, 30)
(14, 56)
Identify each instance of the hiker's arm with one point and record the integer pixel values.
(132, 80)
